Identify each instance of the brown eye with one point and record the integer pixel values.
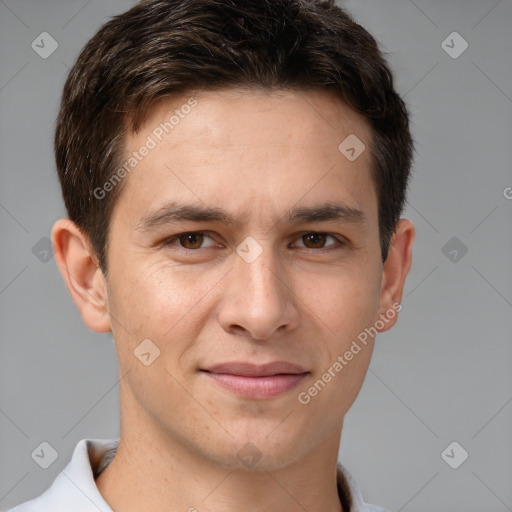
(191, 240)
(315, 239)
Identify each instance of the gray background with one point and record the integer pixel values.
(443, 374)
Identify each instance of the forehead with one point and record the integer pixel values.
(250, 151)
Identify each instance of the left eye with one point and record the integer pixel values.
(194, 240)
(317, 239)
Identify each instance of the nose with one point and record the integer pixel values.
(259, 299)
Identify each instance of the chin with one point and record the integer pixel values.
(263, 450)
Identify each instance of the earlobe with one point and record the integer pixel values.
(83, 277)
(396, 268)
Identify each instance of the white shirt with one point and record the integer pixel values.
(75, 490)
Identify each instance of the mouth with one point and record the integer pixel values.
(257, 381)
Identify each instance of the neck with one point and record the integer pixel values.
(153, 471)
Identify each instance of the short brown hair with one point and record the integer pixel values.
(159, 48)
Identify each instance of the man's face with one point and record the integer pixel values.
(261, 290)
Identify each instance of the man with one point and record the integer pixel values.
(234, 174)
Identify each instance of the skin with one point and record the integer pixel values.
(253, 153)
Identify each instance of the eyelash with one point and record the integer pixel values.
(340, 245)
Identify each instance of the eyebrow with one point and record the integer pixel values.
(172, 212)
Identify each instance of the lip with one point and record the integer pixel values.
(257, 381)
(256, 370)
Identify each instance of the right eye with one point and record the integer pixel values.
(190, 240)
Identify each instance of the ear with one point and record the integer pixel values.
(395, 270)
(82, 275)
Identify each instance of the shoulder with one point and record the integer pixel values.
(34, 505)
(74, 488)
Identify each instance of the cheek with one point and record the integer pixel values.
(161, 302)
(345, 299)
